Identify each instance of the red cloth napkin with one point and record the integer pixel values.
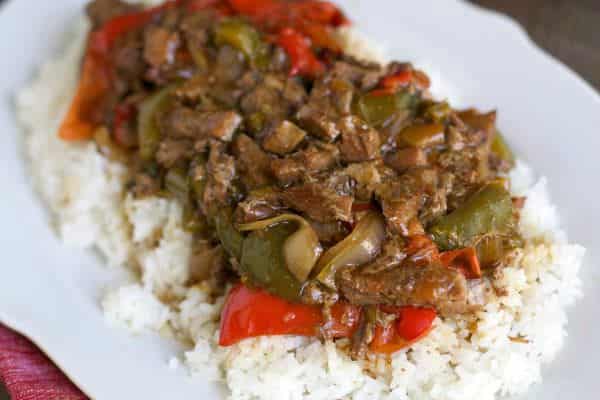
(28, 374)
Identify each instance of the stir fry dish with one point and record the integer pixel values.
(332, 197)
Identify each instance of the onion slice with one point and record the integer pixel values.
(301, 250)
(360, 247)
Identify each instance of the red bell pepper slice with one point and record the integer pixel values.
(298, 47)
(464, 260)
(393, 82)
(251, 313)
(412, 324)
(78, 123)
(94, 82)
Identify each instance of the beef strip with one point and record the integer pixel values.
(101, 11)
(363, 74)
(330, 232)
(258, 205)
(220, 171)
(359, 141)
(430, 286)
(393, 253)
(319, 202)
(208, 264)
(252, 162)
(172, 151)
(160, 46)
(284, 138)
(406, 158)
(402, 199)
(186, 123)
(316, 158)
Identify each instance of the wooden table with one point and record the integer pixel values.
(568, 29)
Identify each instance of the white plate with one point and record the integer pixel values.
(551, 117)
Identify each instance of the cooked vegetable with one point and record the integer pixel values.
(438, 112)
(177, 183)
(229, 237)
(148, 131)
(243, 37)
(377, 108)
(501, 149)
(489, 211)
(301, 249)
(263, 262)
(250, 313)
(360, 247)
(411, 325)
(422, 135)
(299, 50)
(78, 124)
(465, 260)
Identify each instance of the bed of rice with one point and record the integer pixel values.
(498, 351)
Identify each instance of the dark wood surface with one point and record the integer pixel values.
(568, 29)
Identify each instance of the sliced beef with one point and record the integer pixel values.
(258, 205)
(406, 158)
(208, 264)
(364, 75)
(330, 232)
(319, 202)
(128, 59)
(403, 198)
(253, 163)
(172, 151)
(160, 46)
(220, 171)
(318, 123)
(316, 158)
(330, 99)
(430, 286)
(359, 141)
(284, 138)
(230, 64)
(101, 11)
(183, 122)
(392, 255)
(146, 184)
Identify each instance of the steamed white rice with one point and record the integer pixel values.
(498, 351)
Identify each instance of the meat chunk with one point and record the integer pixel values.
(230, 64)
(319, 202)
(284, 138)
(314, 159)
(330, 232)
(182, 122)
(208, 264)
(392, 255)
(259, 204)
(359, 141)
(101, 11)
(431, 286)
(160, 46)
(171, 151)
(220, 171)
(365, 75)
(403, 198)
(253, 163)
(318, 122)
(407, 158)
